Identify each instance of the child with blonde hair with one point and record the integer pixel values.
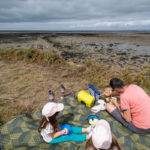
(102, 138)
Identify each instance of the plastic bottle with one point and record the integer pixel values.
(51, 95)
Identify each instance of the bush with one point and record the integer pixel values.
(46, 58)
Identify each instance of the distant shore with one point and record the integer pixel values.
(74, 31)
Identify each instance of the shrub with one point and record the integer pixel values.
(46, 58)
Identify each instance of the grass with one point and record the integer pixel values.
(45, 58)
(27, 75)
(24, 86)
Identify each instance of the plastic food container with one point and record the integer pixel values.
(85, 98)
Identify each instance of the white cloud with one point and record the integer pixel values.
(104, 24)
(73, 14)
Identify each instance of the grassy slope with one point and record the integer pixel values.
(26, 77)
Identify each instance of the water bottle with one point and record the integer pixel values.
(62, 89)
(51, 95)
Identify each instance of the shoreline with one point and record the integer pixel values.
(122, 49)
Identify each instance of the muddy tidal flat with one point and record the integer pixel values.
(119, 49)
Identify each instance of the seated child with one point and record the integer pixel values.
(109, 95)
(102, 138)
(50, 129)
(107, 92)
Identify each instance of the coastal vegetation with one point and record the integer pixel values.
(45, 58)
(27, 75)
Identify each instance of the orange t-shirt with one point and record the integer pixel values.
(136, 99)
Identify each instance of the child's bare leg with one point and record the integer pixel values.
(88, 137)
(84, 130)
(88, 129)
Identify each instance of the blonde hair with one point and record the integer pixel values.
(107, 90)
(89, 144)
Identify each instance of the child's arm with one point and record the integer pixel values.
(59, 133)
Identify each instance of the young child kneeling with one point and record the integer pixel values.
(50, 129)
(102, 138)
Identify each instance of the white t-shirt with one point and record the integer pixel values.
(45, 133)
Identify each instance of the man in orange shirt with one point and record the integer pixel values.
(134, 109)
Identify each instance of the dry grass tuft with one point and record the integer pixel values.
(45, 58)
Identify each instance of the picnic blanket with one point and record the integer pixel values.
(21, 133)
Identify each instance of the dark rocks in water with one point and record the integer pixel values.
(92, 43)
(58, 45)
(116, 43)
(98, 50)
(133, 63)
(141, 61)
(122, 59)
(135, 57)
(110, 45)
(68, 46)
(146, 55)
(113, 56)
(112, 61)
(110, 49)
(129, 49)
(145, 59)
(121, 53)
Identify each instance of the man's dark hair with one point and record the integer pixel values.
(116, 83)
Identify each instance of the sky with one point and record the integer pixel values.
(74, 15)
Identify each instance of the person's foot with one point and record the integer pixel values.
(89, 129)
(88, 136)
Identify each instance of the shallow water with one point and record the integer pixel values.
(134, 49)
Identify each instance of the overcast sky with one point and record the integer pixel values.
(74, 14)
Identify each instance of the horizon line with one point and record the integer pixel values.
(121, 30)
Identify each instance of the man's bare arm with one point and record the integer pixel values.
(125, 114)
